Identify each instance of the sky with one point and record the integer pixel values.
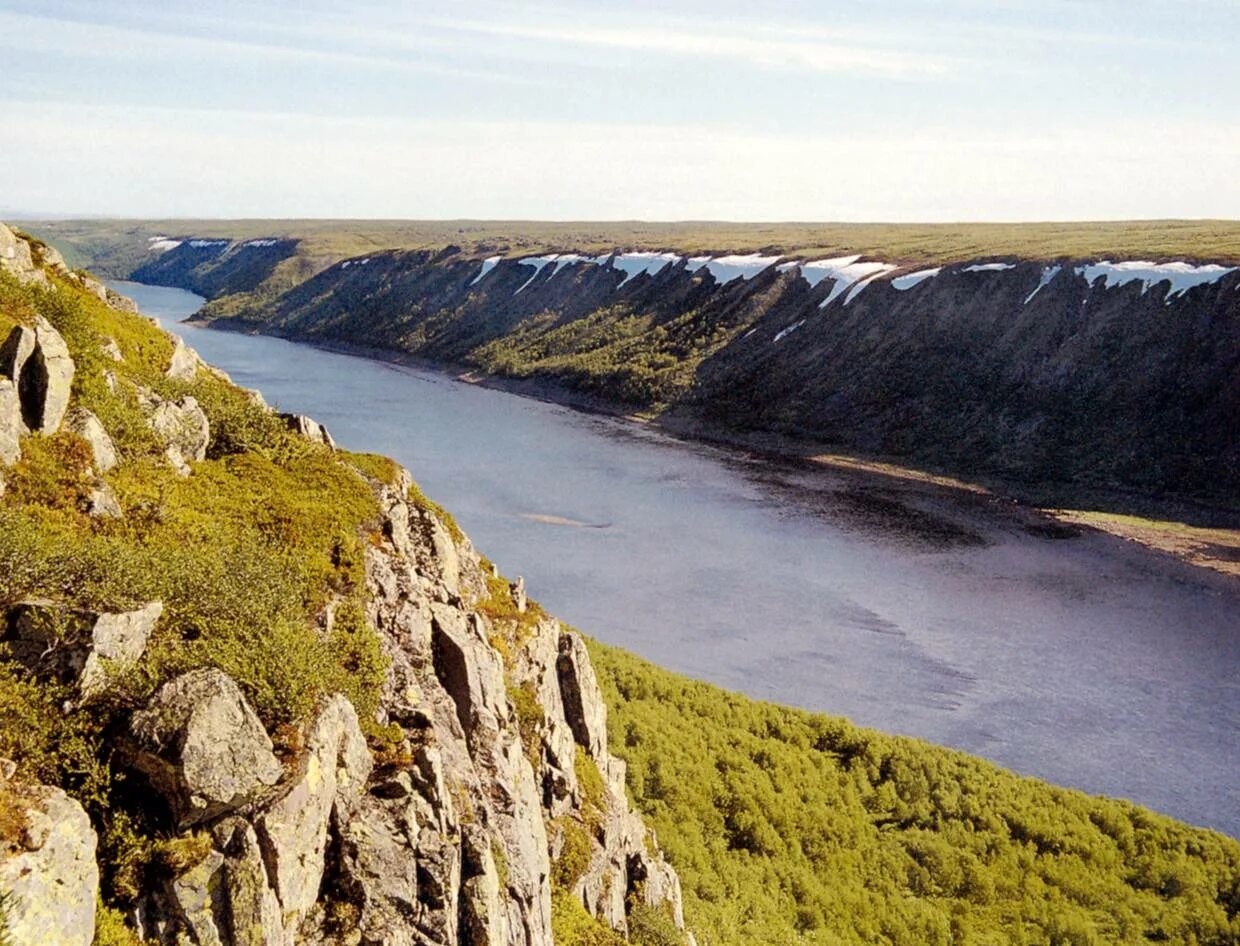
(900, 110)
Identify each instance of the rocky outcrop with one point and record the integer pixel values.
(50, 873)
(309, 428)
(17, 259)
(37, 360)
(11, 424)
(201, 744)
(446, 838)
(183, 427)
(87, 426)
(183, 365)
(83, 648)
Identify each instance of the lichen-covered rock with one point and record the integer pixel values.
(329, 783)
(11, 425)
(87, 426)
(16, 258)
(202, 746)
(52, 878)
(183, 428)
(82, 647)
(184, 363)
(309, 428)
(37, 360)
(101, 503)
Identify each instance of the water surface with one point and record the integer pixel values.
(1085, 661)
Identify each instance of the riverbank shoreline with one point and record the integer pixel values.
(1191, 532)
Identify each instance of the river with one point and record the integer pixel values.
(1085, 661)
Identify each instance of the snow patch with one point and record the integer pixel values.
(860, 284)
(1182, 276)
(203, 244)
(910, 280)
(845, 271)
(163, 244)
(788, 331)
(538, 262)
(988, 267)
(1048, 273)
(354, 262)
(261, 243)
(488, 264)
(631, 264)
(727, 268)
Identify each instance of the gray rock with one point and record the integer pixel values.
(101, 503)
(184, 363)
(583, 701)
(123, 303)
(38, 361)
(17, 259)
(309, 428)
(87, 426)
(81, 647)
(254, 917)
(117, 641)
(46, 379)
(203, 747)
(110, 348)
(11, 425)
(16, 350)
(196, 895)
(329, 782)
(183, 427)
(54, 886)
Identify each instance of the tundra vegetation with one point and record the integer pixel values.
(785, 826)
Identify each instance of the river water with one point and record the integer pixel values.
(1085, 661)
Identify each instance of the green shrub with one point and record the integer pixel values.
(571, 925)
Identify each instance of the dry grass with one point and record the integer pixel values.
(1217, 549)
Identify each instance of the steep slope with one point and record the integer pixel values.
(1120, 376)
(294, 702)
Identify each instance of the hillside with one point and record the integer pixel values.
(1057, 376)
(256, 689)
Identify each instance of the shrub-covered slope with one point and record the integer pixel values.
(793, 827)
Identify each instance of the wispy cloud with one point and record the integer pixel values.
(80, 37)
(758, 47)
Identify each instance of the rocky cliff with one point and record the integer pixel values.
(1097, 373)
(472, 800)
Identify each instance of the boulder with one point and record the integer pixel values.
(109, 347)
(37, 360)
(11, 424)
(184, 363)
(183, 427)
(203, 747)
(123, 303)
(87, 426)
(195, 897)
(16, 258)
(80, 647)
(293, 830)
(101, 503)
(309, 428)
(52, 878)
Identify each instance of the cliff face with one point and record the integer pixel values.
(470, 799)
(1114, 375)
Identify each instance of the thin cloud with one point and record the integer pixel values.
(754, 49)
(85, 38)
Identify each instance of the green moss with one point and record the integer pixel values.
(111, 929)
(571, 925)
